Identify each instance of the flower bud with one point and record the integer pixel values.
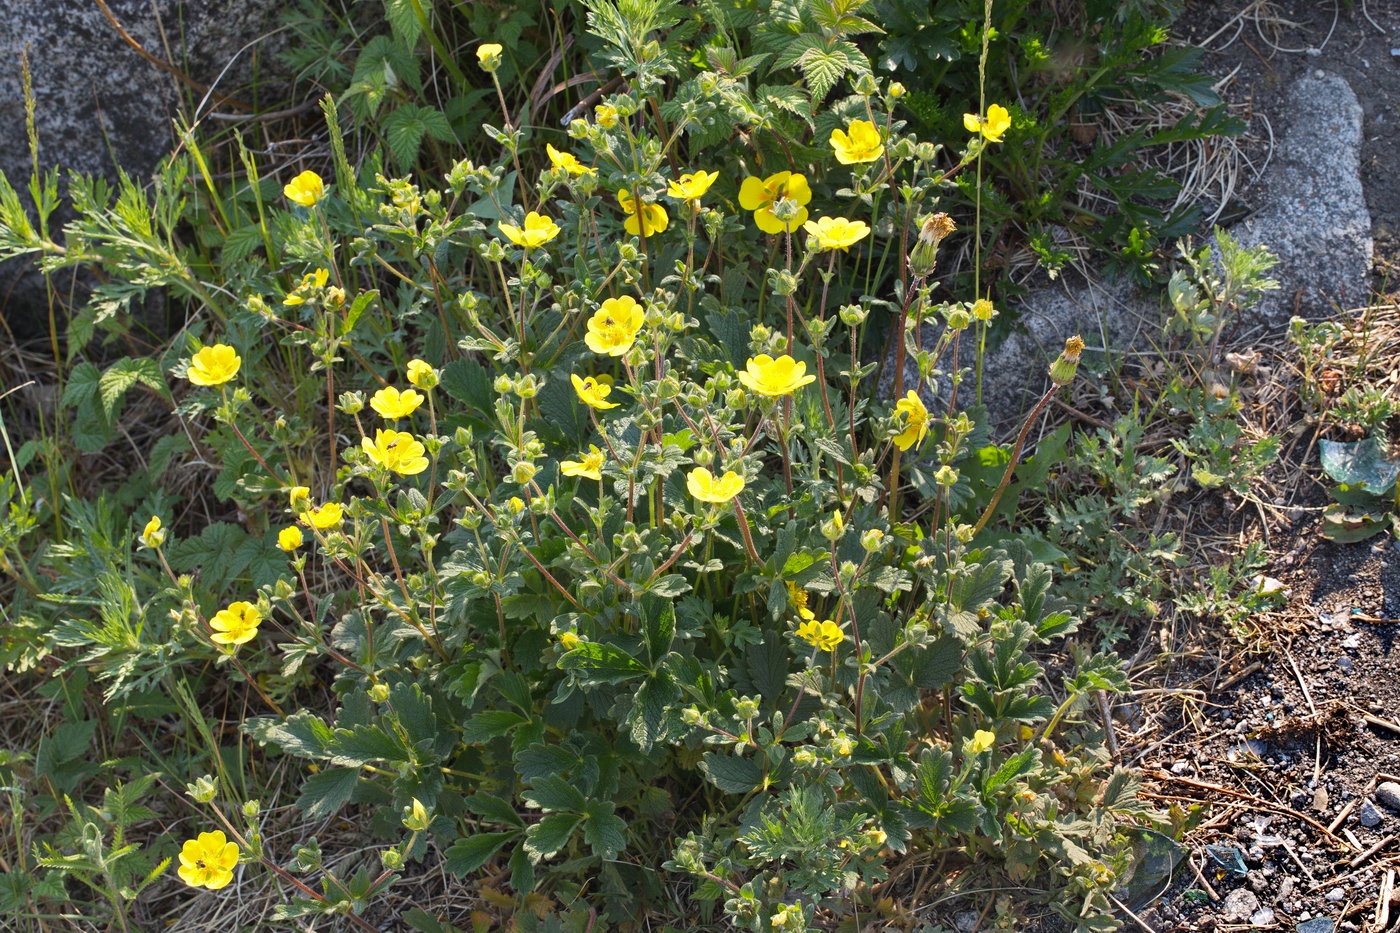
(335, 298)
(853, 315)
(982, 310)
(946, 476)
(847, 573)
(690, 716)
(352, 403)
(415, 816)
(251, 809)
(422, 374)
(378, 693)
(896, 90)
(865, 85)
(958, 318)
(835, 527)
(392, 859)
(523, 471)
(299, 498)
(202, 790)
(1063, 369)
(872, 540)
(746, 708)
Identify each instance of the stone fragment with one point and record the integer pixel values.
(1388, 795)
(1238, 905)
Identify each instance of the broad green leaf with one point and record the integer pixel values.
(550, 834)
(730, 773)
(325, 793)
(469, 853)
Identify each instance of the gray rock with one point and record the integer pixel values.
(1316, 925)
(1388, 795)
(1335, 895)
(1313, 213)
(1262, 917)
(99, 104)
(965, 921)
(1368, 816)
(1239, 904)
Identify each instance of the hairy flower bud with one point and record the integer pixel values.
(933, 231)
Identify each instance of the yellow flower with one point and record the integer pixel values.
(773, 378)
(593, 391)
(306, 189)
(691, 186)
(915, 416)
(569, 640)
(488, 56)
(614, 326)
(208, 861)
(214, 365)
(823, 635)
(566, 161)
(323, 516)
(422, 374)
(828, 233)
(538, 230)
(651, 220)
(389, 403)
(591, 466)
(983, 310)
(289, 538)
(797, 598)
(996, 122)
(859, 143)
(981, 741)
(516, 505)
(398, 451)
(236, 624)
(299, 498)
(309, 282)
(704, 486)
(605, 115)
(760, 196)
(152, 536)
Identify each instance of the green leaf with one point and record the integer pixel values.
(364, 744)
(730, 773)
(553, 792)
(303, 734)
(469, 853)
(1019, 764)
(603, 830)
(649, 708)
(490, 723)
(82, 385)
(403, 21)
(601, 663)
(325, 793)
(659, 628)
(550, 834)
(240, 243)
(122, 375)
(493, 808)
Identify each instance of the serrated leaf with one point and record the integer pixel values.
(553, 792)
(550, 834)
(240, 243)
(325, 793)
(403, 21)
(649, 708)
(490, 807)
(365, 744)
(603, 830)
(469, 853)
(597, 662)
(303, 734)
(730, 773)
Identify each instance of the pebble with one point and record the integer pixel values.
(1319, 925)
(965, 921)
(1239, 905)
(1346, 664)
(1262, 917)
(1335, 895)
(1181, 767)
(1388, 795)
(1368, 816)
